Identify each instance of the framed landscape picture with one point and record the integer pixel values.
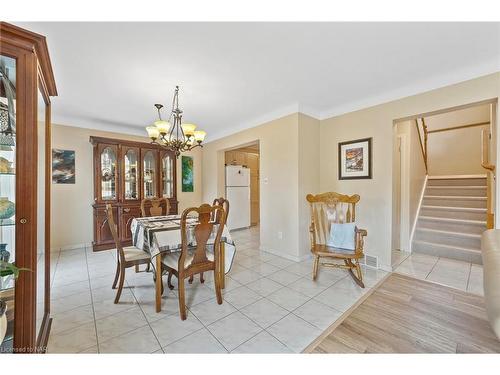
(63, 166)
(187, 174)
(355, 159)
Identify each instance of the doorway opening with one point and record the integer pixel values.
(245, 195)
(444, 191)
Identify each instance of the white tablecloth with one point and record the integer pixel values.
(162, 234)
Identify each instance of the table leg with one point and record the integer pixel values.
(158, 283)
(222, 265)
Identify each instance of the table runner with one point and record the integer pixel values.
(162, 234)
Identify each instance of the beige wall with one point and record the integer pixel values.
(72, 222)
(411, 182)
(457, 151)
(309, 175)
(375, 207)
(279, 176)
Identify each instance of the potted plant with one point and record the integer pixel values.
(6, 269)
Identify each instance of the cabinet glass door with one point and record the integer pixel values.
(7, 198)
(130, 175)
(41, 251)
(108, 174)
(167, 176)
(149, 173)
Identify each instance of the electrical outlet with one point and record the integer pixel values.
(280, 235)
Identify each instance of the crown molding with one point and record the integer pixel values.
(98, 124)
(260, 120)
(433, 83)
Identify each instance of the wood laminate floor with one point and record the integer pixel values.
(406, 315)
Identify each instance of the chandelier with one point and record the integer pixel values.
(173, 134)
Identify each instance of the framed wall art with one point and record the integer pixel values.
(63, 166)
(355, 159)
(187, 174)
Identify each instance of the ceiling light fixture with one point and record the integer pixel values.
(173, 134)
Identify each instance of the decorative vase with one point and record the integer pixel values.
(5, 166)
(7, 208)
(3, 320)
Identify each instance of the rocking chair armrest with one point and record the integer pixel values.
(362, 232)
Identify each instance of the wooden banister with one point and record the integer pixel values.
(490, 175)
(459, 127)
(423, 145)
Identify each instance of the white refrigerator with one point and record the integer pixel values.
(238, 195)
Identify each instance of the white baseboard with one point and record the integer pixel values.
(417, 214)
(385, 267)
(286, 256)
(71, 247)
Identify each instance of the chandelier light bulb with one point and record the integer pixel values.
(199, 136)
(188, 129)
(163, 126)
(153, 132)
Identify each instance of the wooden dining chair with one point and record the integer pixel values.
(127, 257)
(156, 208)
(191, 261)
(224, 203)
(327, 209)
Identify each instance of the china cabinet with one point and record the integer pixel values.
(26, 85)
(125, 172)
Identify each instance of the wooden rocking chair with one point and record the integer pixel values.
(326, 209)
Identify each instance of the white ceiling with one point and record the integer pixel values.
(237, 75)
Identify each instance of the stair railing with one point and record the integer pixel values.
(490, 176)
(423, 144)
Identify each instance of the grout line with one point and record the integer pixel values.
(92, 301)
(145, 317)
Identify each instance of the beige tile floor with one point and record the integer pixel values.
(457, 274)
(271, 305)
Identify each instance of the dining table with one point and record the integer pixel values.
(160, 235)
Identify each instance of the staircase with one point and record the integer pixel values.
(452, 218)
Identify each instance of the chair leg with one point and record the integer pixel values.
(315, 267)
(218, 287)
(136, 268)
(191, 278)
(358, 271)
(148, 267)
(182, 299)
(202, 280)
(169, 281)
(120, 285)
(117, 275)
(358, 279)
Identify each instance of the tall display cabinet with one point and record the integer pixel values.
(126, 172)
(26, 85)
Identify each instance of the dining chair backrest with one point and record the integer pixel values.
(114, 232)
(224, 203)
(203, 230)
(329, 208)
(156, 207)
